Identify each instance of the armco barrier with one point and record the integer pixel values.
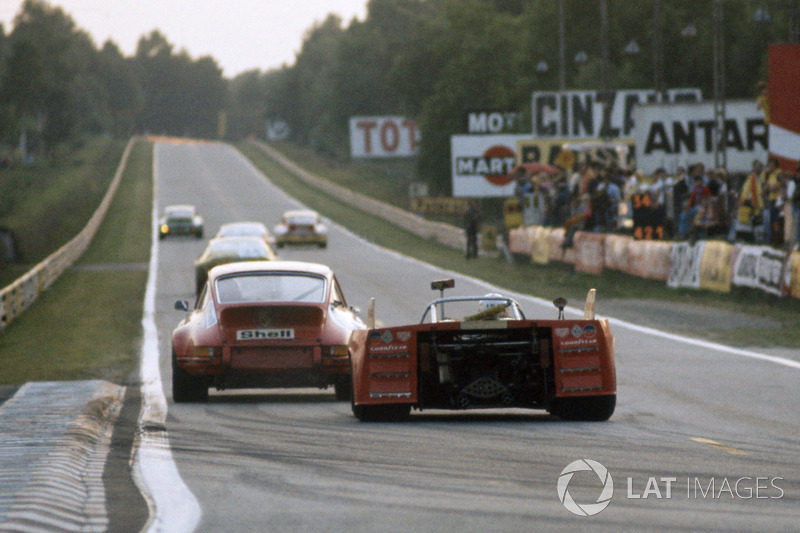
(442, 233)
(709, 265)
(18, 296)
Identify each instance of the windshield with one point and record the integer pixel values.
(271, 287)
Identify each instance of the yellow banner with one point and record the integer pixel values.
(715, 266)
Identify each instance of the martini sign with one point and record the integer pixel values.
(481, 164)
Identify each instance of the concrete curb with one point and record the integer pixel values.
(53, 449)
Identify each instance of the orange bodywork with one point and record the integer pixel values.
(494, 363)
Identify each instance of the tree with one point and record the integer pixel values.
(48, 57)
(182, 96)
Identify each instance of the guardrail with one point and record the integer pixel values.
(438, 231)
(20, 295)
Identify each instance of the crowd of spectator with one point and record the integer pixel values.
(760, 207)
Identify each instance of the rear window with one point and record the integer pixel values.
(185, 213)
(249, 248)
(271, 287)
(302, 221)
(242, 230)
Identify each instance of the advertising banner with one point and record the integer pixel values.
(494, 121)
(676, 135)
(759, 267)
(791, 275)
(590, 252)
(616, 252)
(784, 104)
(649, 259)
(557, 251)
(481, 163)
(715, 266)
(685, 265)
(540, 247)
(595, 114)
(383, 137)
(519, 240)
(566, 153)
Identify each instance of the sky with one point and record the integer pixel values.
(240, 35)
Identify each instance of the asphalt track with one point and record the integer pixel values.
(704, 437)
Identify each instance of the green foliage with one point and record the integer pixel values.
(55, 85)
(48, 203)
(101, 341)
(432, 60)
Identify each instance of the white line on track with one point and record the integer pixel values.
(172, 505)
(613, 321)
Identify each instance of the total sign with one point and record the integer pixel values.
(383, 137)
(481, 164)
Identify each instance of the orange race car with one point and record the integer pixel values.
(492, 357)
(264, 324)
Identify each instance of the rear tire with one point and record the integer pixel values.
(186, 388)
(344, 388)
(381, 413)
(585, 409)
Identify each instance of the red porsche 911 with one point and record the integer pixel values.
(264, 324)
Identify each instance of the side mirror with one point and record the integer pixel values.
(182, 305)
(560, 303)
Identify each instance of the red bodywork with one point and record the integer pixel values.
(565, 367)
(263, 344)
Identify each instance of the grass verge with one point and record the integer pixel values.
(88, 324)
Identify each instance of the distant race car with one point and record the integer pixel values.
(491, 357)
(230, 250)
(301, 227)
(180, 220)
(246, 229)
(264, 324)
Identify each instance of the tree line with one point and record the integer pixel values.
(431, 60)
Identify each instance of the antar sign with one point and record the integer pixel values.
(681, 134)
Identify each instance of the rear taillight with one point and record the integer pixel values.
(205, 351)
(335, 351)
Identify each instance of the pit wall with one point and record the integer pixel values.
(708, 265)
